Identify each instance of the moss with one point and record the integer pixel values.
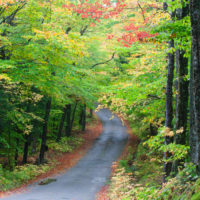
(47, 181)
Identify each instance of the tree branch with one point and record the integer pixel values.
(11, 17)
(101, 63)
(141, 10)
(83, 30)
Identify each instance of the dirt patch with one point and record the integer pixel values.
(65, 160)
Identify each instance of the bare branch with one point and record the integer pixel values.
(141, 10)
(101, 63)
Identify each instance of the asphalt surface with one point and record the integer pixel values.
(83, 181)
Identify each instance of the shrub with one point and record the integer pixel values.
(66, 144)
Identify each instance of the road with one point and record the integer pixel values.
(83, 181)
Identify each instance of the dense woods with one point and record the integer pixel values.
(138, 58)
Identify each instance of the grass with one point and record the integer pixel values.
(144, 181)
(20, 175)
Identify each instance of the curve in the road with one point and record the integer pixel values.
(83, 181)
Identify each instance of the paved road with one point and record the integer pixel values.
(83, 181)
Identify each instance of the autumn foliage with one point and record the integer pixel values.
(97, 10)
(134, 34)
(136, 30)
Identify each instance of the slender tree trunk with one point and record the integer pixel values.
(84, 118)
(9, 156)
(169, 100)
(182, 90)
(27, 141)
(34, 145)
(91, 113)
(195, 83)
(54, 127)
(73, 116)
(169, 107)
(182, 94)
(81, 116)
(26, 145)
(45, 130)
(17, 142)
(82, 121)
(68, 121)
(61, 124)
(153, 129)
(16, 151)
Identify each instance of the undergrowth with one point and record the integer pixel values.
(22, 174)
(66, 144)
(144, 182)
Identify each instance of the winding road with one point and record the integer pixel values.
(83, 181)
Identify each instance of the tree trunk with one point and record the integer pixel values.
(16, 151)
(195, 83)
(26, 145)
(181, 97)
(17, 142)
(68, 121)
(169, 107)
(44, 134)
(91, 113)
(27, 141)
(34, 145)
(182, 90)
(82, 120)
(182, 86)
(10, 165)
(73, 116)
(182, 94)
(81, 116)
(153, 129)
(62, 123)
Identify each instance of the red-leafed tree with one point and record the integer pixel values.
(93, 11)
(97, 10)
(132, 32)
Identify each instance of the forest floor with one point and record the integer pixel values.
(64, 161)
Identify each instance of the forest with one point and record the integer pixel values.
(61, 61)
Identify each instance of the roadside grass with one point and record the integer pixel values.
(24, 173)
(142, 180)
(21, 175)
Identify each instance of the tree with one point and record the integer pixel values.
(45, 131)
(40, 61)
(182, 84)
(169, 106)
(195, 83)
